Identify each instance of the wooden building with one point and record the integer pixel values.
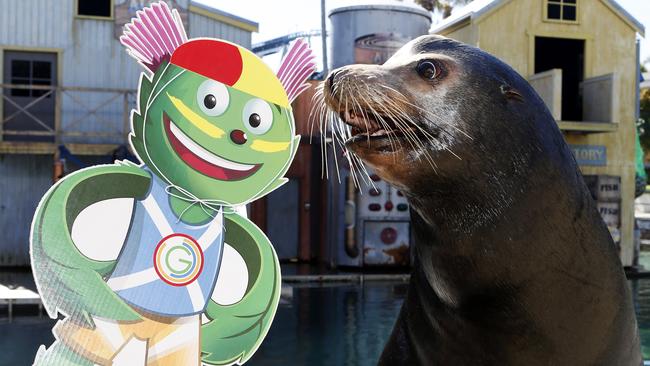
(581, 57)
(67, 88)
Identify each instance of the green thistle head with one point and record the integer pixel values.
(213, 140)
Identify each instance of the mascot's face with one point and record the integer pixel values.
(213, 140)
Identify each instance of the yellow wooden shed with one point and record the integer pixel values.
(581, 57)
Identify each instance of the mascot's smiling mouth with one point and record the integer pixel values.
(202, 160)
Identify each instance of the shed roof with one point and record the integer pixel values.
(224, 17)
(477, 8)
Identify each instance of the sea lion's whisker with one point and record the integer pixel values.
(437, 118)
(364, 117)
(321, 112)
(403, 99)
(403, 121)
(377, 118)
(412, 136)
(336, 160)
(317, 103)
(407, 119)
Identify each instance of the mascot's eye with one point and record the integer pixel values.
(257, 116)
(427, 70)
(254, 120)
(212, 97)
(210, 101)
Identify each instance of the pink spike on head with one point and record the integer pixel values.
(296, 67)
(153, 35)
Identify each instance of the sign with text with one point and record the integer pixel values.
(591, 155)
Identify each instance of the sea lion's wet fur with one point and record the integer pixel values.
(514, 265)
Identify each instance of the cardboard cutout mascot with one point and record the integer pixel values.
(214, 130)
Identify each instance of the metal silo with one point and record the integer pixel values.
(371, 228)
(371, 33)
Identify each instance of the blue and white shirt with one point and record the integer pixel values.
(167, 267)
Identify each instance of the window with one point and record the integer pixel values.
(563, 10)
(95, 8)
(30, 72)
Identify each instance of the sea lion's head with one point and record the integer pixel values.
(438, 113)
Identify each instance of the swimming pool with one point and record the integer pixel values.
(323, 324)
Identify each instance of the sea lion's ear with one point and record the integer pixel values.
(511, 93)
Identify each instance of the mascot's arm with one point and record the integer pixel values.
(68, 281)
(235, 331)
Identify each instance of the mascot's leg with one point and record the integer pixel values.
(58, 354)
(176, 342)
(99, 343)
(162, 341)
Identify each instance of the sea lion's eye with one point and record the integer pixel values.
(427, 70)
(257, 116)
(212, 97)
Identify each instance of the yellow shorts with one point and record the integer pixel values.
(158, 341)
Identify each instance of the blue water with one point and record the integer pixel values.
(329, 324)
(333, 325)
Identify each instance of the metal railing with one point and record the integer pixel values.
(108, 111)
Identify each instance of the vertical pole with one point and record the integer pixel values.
(323, 36)
(125, 118)
(637, 104)
(637, 110)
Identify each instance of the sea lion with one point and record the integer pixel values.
(513, 264)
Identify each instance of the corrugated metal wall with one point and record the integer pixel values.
(90, 56)
(202, 26)
(23, 180)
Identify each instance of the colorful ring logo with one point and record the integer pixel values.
(178, 259)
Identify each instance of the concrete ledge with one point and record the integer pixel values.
(346, 278)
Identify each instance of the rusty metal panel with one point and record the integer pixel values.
(380, 201)
(386, 243)
(23, 180)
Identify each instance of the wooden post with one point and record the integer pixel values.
(2, 113)
(57, 168)
(57, 115)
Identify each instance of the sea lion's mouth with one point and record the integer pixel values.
(202, 160)
(366, 125)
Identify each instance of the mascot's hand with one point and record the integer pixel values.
(235, 331)
(69, 282)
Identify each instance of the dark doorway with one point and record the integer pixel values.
(29, 110)
(568, 55)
